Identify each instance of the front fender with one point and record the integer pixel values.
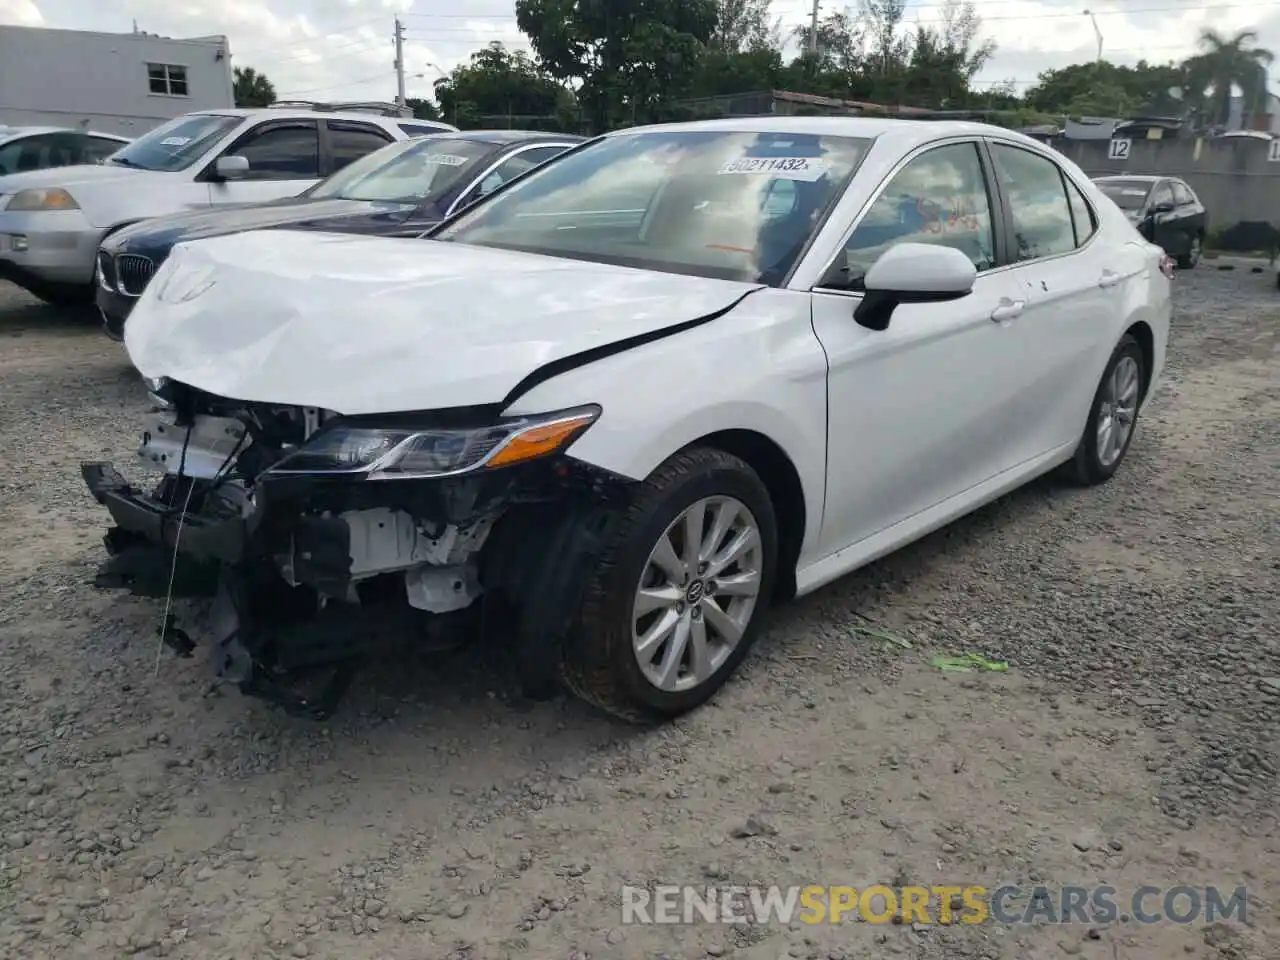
(759, 368)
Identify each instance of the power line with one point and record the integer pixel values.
(337, 86)
(308, 41)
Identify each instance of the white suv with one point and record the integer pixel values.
(52, 221)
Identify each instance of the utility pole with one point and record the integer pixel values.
(813, 31)
(1096, 32)
(400, 62)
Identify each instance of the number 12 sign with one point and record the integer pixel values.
(1119, 150)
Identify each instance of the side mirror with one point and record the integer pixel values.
(913, 273)
(1165, 206)
(232, 167)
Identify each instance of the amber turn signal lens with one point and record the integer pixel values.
(540, 440)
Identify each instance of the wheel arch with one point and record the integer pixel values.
(1142, 332)
(782, 480)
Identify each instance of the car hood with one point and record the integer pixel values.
(297, 212)
(75, 175)
(363, 325)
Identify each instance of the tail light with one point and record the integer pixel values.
(1168, 266)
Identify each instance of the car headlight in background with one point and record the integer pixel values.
(42, 198)
(406, 453)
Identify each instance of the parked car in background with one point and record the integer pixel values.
(1165, 210)
(23, 149)
(398, 191)
(625, 401)
(53, 221)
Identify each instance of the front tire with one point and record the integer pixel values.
(679, 594)
(1113, 416)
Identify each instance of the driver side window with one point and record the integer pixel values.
(939, 197)
(282, 151)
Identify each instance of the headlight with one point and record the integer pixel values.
(406, 453)
(42, 198)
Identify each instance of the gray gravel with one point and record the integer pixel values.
(1133, 741)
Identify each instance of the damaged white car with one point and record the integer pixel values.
(626, 402)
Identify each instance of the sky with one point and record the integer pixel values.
(342, 49)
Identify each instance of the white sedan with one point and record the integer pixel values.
(630, 400)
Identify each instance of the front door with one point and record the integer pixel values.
(284, 159)
(921, 411)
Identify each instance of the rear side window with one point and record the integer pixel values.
(98, 149)
(1042, 222)
(287, 151)
(1082, 218)
(349, 142)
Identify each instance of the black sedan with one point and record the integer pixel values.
(1165, 210)
(397, 191)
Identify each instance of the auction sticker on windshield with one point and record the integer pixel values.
(175, 141)
(447, 159)
(782, 168)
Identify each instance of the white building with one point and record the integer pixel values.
(122, 83)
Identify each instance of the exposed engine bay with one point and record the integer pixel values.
(298, 543)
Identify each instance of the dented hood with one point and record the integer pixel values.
(373, 325)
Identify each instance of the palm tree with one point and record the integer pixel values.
(253, 89)
(1227, 63)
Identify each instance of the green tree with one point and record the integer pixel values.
(497, 82)
(422, 109)
(626, 56)
(1102, 89)
(745, 26)
(252, 89)
(1227, 63)
(944, 60)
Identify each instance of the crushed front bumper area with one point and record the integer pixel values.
(263, 635)
(141, 518)
(281, 593)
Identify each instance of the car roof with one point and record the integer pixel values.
(510, 136)
(302, 113)
(1139, 177)
(903, 133)
(13, 133)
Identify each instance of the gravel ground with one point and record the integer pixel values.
(1133, 740)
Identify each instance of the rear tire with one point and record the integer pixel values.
(663, 625)
(1113, 416)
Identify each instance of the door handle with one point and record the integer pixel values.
(1007, 310)
(1109, 279)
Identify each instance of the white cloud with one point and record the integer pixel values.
(343, 48)
(22, 13)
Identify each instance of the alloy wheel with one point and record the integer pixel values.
(1118, 410)
(697, 593)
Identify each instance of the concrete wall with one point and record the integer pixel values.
(1233, 177)
(68, 77)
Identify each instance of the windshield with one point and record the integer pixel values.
(408, 171)
(1128, 194)
(177, 144)
(712, 203)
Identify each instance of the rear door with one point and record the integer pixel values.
(346, 141)
(1071, 289)
(1166, 224)
(284, 159)
(1190, 213)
